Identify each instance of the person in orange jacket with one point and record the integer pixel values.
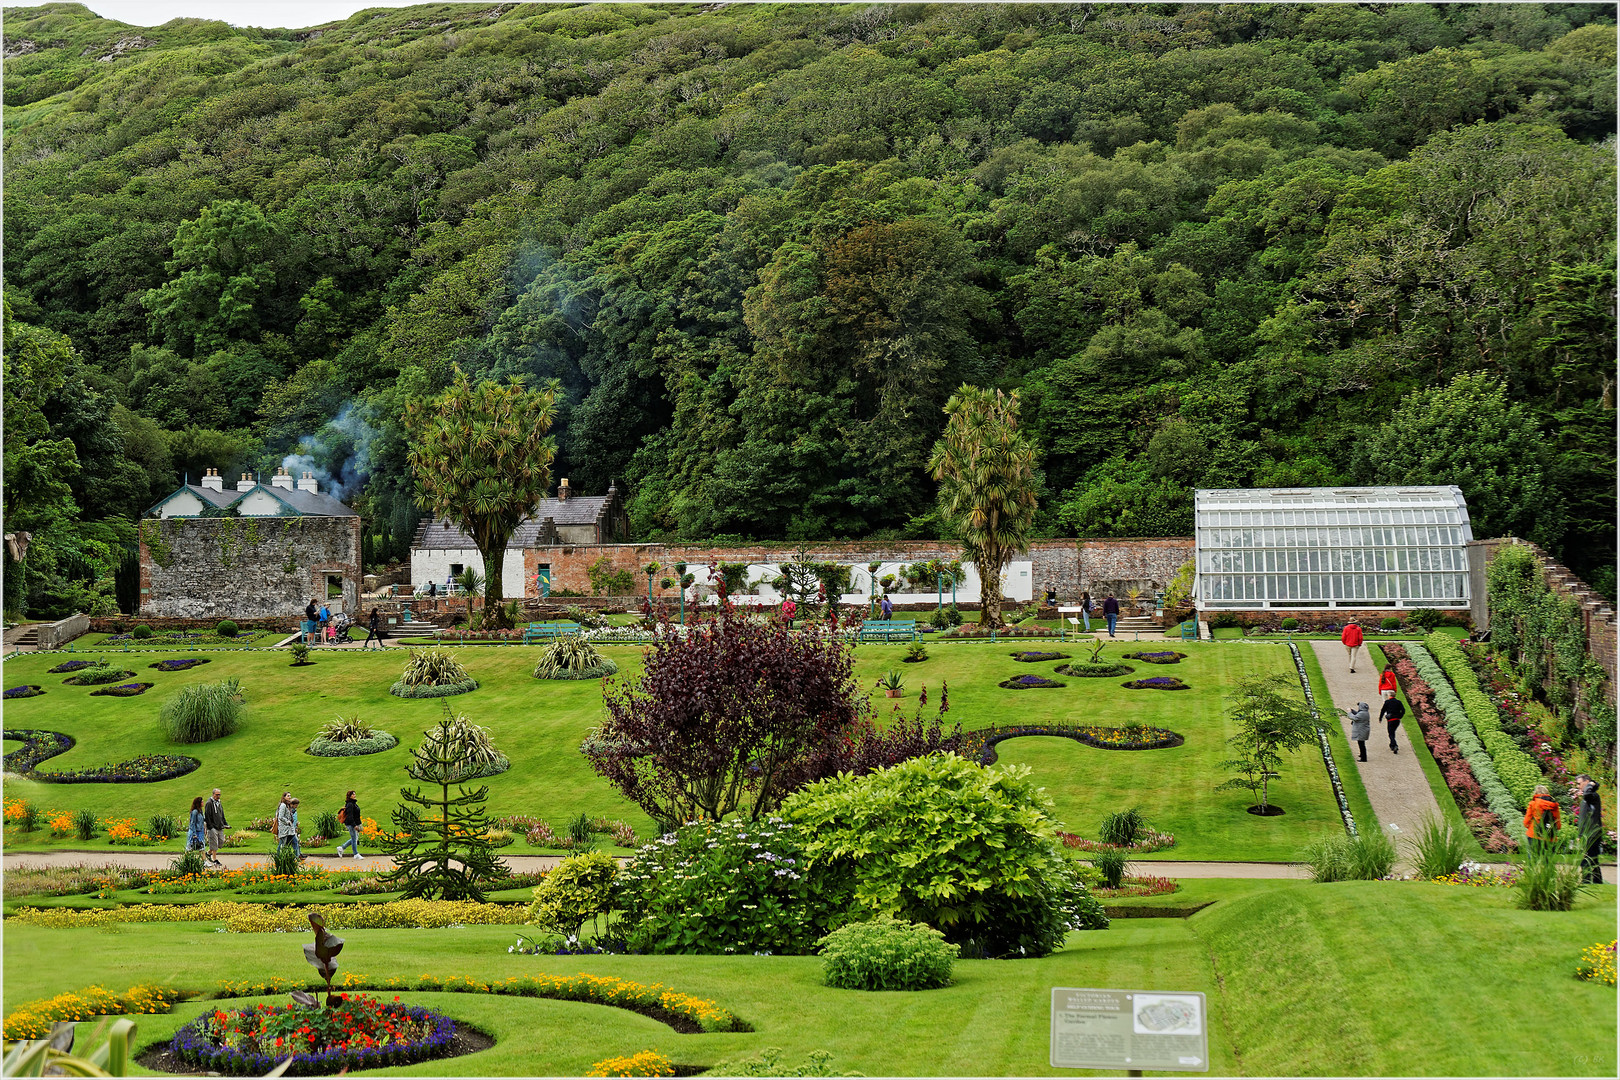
(1542, 819)
(1352, 641)
(1386, 683)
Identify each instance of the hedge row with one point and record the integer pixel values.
(246, 918)
(1517, 769)
(1497, 796)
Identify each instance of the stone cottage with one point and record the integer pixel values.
(249, 552)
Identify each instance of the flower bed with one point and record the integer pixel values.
(1480, 876)
(972, 630)
(362, 1032)
(134, 689)
(33, 1019)
(434, 690)
(1517, 769)
(646, 1063)
(1038, 657)
(1156, 657)
(17, 692)
(1158, 682)
(1095, 671)
(1146, 840)
(1029, 682)
(382, 740)
(39, 746)
(1597, 963)
(980, 745)
(250, 918)
(97, 676)
(67, 666)
(183, 664)
(1135, 887)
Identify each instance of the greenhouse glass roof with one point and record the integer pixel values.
(1319, 548)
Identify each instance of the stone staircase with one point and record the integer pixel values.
(24, 638)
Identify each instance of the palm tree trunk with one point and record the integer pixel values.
(494, 606)
(989, 591)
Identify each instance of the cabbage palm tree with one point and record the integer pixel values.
(986, 474)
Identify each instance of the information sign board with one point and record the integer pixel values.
(1123, 1030)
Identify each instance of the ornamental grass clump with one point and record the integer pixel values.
(1549, 877)
(887, 954)
(573, 657)
(432, 672)
(1110, 863)
(1439, 848)
(1121, 827)
(1368, 856)
(203, 712)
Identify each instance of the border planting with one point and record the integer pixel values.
(40, 746)
(983, 741)
(1517, 769)
(1322, 741)
(17, 693)
(133, 689)
(1497, 796)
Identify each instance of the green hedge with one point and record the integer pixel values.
(1517, 769)
(1497, 795)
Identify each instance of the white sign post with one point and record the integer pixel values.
(1129, 1030)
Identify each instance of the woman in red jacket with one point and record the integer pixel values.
(1352, 641)
(1386, 683)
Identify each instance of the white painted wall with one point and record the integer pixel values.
(433, 564)
(259, 503)
(1016, 582)
(184, 504)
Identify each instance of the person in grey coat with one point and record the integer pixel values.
(1360, 726)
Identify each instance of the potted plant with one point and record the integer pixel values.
(892, 683)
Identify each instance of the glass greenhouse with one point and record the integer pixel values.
(1323, 548)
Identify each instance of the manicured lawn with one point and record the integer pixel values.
(1302, 979)
(540, 725)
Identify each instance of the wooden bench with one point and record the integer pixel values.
(888, 630)
(549, 631)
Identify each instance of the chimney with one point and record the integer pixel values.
(246, 483)
(562, 490)
(213, 481)
(308, 484)
(282, 479)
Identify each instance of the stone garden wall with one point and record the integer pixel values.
(245, 567)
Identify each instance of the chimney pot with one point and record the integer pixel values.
(282, 479)
(247, 483)
(307, 483)
(213, 481)
(562, 490)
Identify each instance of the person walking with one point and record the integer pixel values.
(887, 607)
(1111, 612)
(287, 826)
(433, 594)
(1391, 714)
(1085, 610)
(1589, 822)
(194, 828)
(351, 818)
(1541, 820)
(789, 608)
(214, 826)
(1360, 726)
(373, 630)
(312, 615)
(1351, 637)
(1386, 683)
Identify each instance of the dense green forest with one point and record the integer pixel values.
(1211, 245)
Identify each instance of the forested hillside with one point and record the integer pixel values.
(1212, 245)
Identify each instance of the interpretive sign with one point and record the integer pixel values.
(1129, 1030)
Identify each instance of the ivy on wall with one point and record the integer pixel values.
(151, 530)
(227, 542)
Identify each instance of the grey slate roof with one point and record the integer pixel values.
(306, 503)
(219, 499)
(435, 533)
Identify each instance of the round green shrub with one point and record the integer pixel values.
(578, 890)
(203, 712)
(887, 954)
(1290, 624)
(1392, 622)
(226, 628)
(141, 632)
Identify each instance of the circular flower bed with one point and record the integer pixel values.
(433, 690)
(1158, 682)
(362, 1032)
(376, 744)
(1095, 671)
(1156, 657)
(1038, 657)
(595, 671)
(39, 746)
(97, 676)
(22, 692)
(71, 665)
(179, 665)
(1028, 682)
(1136, 737)
(133, 689)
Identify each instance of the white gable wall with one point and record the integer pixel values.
(433, 564)
(184, 504)
(259, 503)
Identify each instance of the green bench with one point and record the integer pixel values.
(549, 631)
(888, 630)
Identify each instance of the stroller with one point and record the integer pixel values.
(337, 626)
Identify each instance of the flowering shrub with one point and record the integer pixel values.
(134, 689)
(181, 664)
(1478, 875)
(724, 887)
(22, 692)
(1029, 682)
(1156, 657)
(1595, 965)
(646, 1063)
(1038, 657)
(33, 1020)
(67, 666)
(1158, 682)
(362, 1032)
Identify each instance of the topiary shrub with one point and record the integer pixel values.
(203, 712)
(578, 890)
(1391, 622)
(572, 658)
(141, 632)
(939, 840)
(1290, 624)
(887, 954)
(225, 628)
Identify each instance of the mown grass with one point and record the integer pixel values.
(540, 725)
(1356, 978)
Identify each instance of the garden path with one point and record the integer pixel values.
(1396, 787)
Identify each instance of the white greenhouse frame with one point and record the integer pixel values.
(1318, 549)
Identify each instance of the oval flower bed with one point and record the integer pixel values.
(70, 665)
(1094, 671)
(1038, 657)
(123, 690)
(1156, 657)
(983, 741)
(38, 746)
(21, 692)
(362, 1032)
(97, 677)
(1158, 682)
(1028, 682)
(183, 664)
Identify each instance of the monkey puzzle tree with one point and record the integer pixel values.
(482, 459)
(986, 474)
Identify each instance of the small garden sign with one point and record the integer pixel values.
(1132, 1030)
